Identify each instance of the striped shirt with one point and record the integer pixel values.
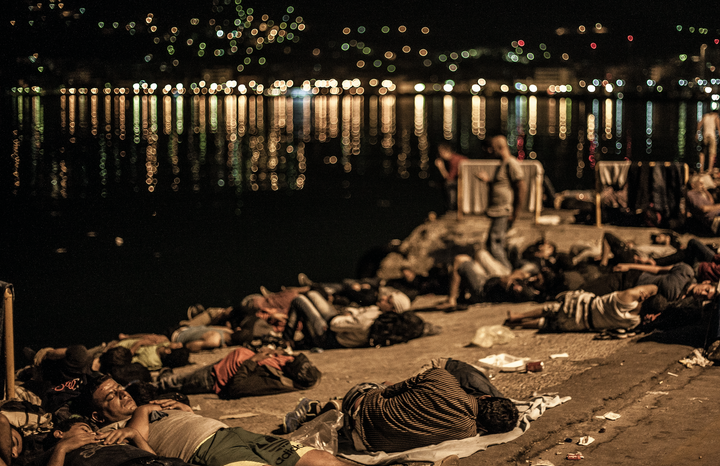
(427, 409)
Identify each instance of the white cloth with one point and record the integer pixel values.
(529, 411)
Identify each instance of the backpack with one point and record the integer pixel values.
(391, 328)
(27, 417)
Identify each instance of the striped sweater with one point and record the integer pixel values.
(427, 409)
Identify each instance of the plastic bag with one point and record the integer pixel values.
(504, 363)
(490, 335)
(321, 433)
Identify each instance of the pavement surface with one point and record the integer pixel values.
(668, 411)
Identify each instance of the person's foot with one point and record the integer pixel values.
(304, 280)
(431, 329)
(305, 410)
(194, 310)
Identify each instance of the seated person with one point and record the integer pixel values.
(75, 443)
(325, 327)
(246, 373)
(429, 408)
(176, 431)
(582, 311)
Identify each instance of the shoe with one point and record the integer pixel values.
(431, 329)
(195, 310)
(304, 280)
(713, 351)
(452, 460)
(305, 410)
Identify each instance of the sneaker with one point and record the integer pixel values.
(264, 291)
(304, 280)
(305, 410)
(713, 351)
(431, 329)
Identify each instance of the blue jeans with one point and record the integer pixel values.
(497, 240)
(694, 252)
(200, 381)
(471, 278)
(314, 312)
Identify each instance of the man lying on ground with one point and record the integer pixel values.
(77, 444)
(172, 429)
(243, 372)
(582, 311)
(446, 400)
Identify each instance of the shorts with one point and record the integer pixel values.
(238, 447)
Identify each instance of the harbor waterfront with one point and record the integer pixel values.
(126, 209)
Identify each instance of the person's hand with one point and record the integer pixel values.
(118, 436)
(41, 355)
(621, 268)
(439, 163)
(482, 176)
(172, 404)
(79, 440)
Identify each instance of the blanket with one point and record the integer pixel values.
(529, 411)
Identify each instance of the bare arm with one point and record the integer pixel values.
(65, 446)
(441, 166)
(123, 435)
(643, 268)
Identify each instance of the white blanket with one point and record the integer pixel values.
(529, 411)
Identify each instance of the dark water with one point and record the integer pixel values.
(120, 211)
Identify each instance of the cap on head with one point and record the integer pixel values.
(400, 301)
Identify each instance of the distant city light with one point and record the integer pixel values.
(419, 87)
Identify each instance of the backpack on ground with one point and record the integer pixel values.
(391, 328)
(27, 417)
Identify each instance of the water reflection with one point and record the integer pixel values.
(79, 144)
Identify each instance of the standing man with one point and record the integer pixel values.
(710, 126)
(507, 190)
(448, 163)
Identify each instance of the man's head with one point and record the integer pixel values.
(17, 442)
(445, 151)
(71, 427)
(395, 301)
(496, 415)
(705, 290)
(174, 355)
(498, 147)
(106, 401)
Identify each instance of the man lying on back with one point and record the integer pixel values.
(173, 429)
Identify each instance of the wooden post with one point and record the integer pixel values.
(9, 346)
(538, 197)
(459, 196)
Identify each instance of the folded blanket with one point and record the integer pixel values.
(529, 411)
